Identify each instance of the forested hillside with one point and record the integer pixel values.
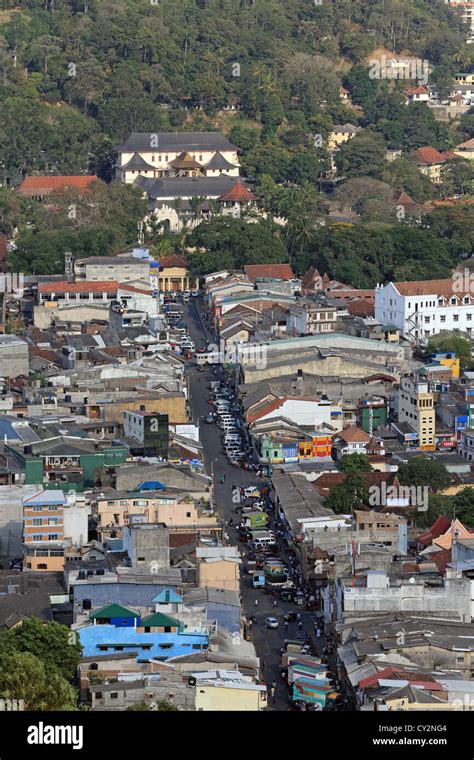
(77, 76)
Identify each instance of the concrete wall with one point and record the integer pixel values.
(451, 601)
(147, 546)
(13, 356)
(174, 405)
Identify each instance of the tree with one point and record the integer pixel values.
(422, 471)
(25, 677)
(355, 463)
(363, 155)
(161, 706)
(452, 341)
(237, 242)
(54, 644)
(352, 493)
(403, 174)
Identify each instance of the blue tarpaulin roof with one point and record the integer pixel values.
(151, 485)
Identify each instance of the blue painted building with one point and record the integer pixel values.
(149, 642)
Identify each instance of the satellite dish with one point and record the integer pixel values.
(412, 580)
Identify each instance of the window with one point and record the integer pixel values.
(98, 695)
(188, 514)
(53, 520)
(469, 317)
(168, 629)
(456, 317)
(37, 521)
(37, 509)
(37, 537)
(114, 695)
(443, 318)
(52, 536)
(166, 646)
(197, 646)
(52, 508)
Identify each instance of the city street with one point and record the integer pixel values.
(268, 642)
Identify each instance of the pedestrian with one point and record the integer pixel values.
(300, 625)
(272, 694)
(274, 684)
(318, 632)
(286, 625)
(298, 617)
(274, 602)
(256, 602)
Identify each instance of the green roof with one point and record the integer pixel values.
(158, 620)
(113, 611)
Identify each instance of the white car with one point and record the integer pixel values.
(271, 622)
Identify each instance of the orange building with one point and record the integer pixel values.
(319, 446)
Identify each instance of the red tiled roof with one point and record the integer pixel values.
(361, 307)
(441, 525)
(173, 260)
(418, 91)
(429, 288)
(353, 434)
(133, 289)
(429, 155)
(277, 271)
(238, 192)
(46, 184)
(468, 145)
(86, 286)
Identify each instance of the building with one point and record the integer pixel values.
(417, 408)
(150, 430)
(423, 308)
(465, 10)
(40, 187)
(340, 134)
(116, 269)
(465, 149)
(311, 318)
(352, 440)
(220, 690)
(52, 522)
(115, 628)
(174, 274)
(14, 358)
(174, 154)
(219, 567)
(431, 162)
(174, 201)
(147, 545)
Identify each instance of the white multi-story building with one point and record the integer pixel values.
(466, 11)
(425, 307)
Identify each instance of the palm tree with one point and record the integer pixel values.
(196, 203)
(177, 206)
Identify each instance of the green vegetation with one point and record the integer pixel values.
(422, 471)
(352, 493)
(37, 663)
(453, 341)
(355, 463)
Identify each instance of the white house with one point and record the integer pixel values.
(426, 307)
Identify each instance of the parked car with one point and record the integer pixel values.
(209, 419)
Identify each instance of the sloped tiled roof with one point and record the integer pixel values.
(49, 184)
(238, 193)
(84, 286)
(276, 271)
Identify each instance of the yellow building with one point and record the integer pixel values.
(171, 403)
(174, 274)
(416, 407)
(341, 133)
(218, 567)
(226, 695)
